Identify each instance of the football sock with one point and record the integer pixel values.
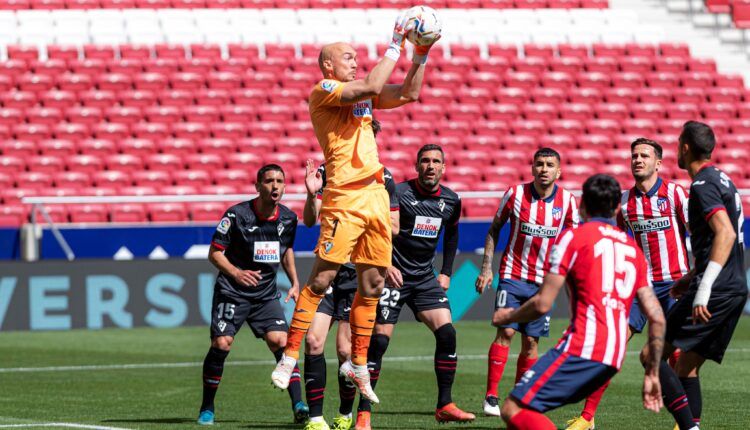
(524, 363)
(592, 402)
(497, 358)
(362, 321)
(378, 346)
(692, 388)
(213, 368)
(307, 305)
(446, 361)
(347, 392)
(530, 420)
(674, 397)
(294, 389)
(315, 383)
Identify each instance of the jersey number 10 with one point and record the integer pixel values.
(614, 257)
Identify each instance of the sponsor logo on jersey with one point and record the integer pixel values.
(266, 252)
(425, 226)
(662, 203)
(651, 225)
(280, 229)
(556, 213)
(224, 225)
(537, 230)
(362, 109)
(329, 85)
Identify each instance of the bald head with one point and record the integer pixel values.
(333, 53)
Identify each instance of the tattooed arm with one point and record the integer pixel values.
(485, 277)
(653, 352)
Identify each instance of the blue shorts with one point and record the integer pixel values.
(559, 379)
(511, 294)
(638, 319)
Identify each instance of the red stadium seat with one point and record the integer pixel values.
(88, 213)
(130, 212)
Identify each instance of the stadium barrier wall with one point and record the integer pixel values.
(96, 294)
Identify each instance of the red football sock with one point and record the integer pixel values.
(530, 420)
(524, 363)
(592, 402)
(497, 357)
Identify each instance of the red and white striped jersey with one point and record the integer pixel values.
(657, 220)
(603, 268)
(534, 225)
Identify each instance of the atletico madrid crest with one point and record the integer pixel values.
(663, 204)
(556, 213)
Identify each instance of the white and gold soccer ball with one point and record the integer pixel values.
(427, 27)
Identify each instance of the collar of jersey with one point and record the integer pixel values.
(709, 164)
(536, 195)
(652, 191)
(424, 192)
(273, 217)
(609, 221)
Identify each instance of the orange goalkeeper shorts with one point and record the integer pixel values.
(355, 225)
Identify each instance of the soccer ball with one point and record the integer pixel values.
(427, 27)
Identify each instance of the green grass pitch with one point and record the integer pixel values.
(167, 397)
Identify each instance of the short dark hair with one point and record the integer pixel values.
(643, 141)
(268, 168)
(430, 147)
(700, 139)
(546, 152)
(601, 195)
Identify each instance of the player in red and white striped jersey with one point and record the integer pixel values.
(537, 213)
(604, 270)
(655, 211)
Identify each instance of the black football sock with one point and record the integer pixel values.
(315, 383)
(446, 361)
(692, 388)
(674, 397)
(213, 368)
(294, 389)
(347, 392)
(378, 346)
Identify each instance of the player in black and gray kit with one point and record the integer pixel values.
(712, 295)
(426, 209)
(334, 307)
(249, 243)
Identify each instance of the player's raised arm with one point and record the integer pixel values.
(374, 83)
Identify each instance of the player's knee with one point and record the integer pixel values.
(276, 340)
(504, 336)
(314, 344)
(320, 281)
(445, 337)
(343, 352)
(223, 343)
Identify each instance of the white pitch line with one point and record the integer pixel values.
(67, 425)
(396, 359)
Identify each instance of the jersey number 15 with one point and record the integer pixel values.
(614, 256)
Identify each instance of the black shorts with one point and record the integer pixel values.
(420, 295)
(228, 313)
(709, 340)
(339, 297)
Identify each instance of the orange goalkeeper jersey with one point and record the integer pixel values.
(344, 132)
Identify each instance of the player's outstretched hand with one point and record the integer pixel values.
(393, 277)
(247, 278)
(313, 180)
(483, 280)
(701, 315)
(425, 49)
(444, 281)
(652, 393)
(404, 23)
(292, 294)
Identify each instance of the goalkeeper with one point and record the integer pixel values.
(355, 213)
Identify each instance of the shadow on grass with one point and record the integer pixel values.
(175, 420)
